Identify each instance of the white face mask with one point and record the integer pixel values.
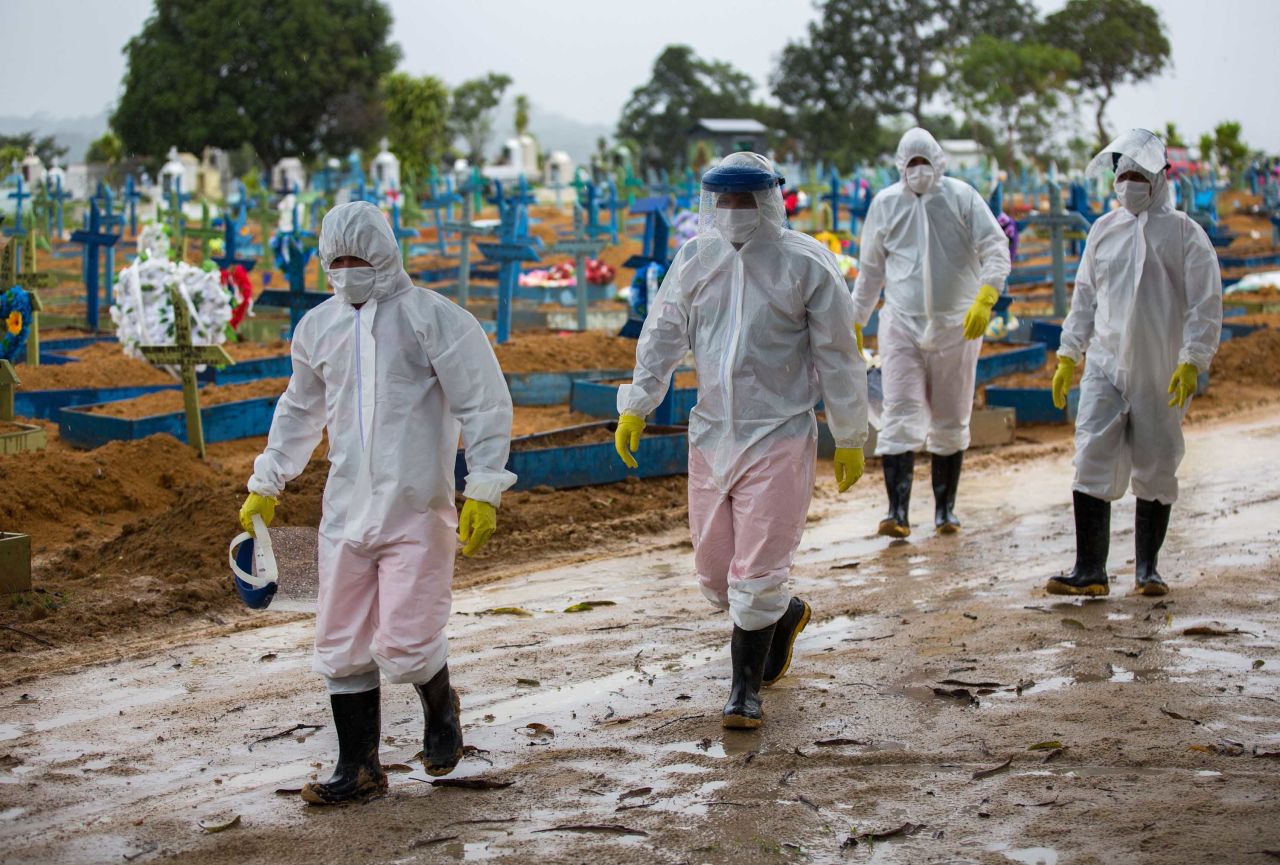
(920, 178)
(353, 284)
(737, 224)
(1133, 195)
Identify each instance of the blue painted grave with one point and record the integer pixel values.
(93, 237)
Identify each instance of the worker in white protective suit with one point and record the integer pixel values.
(933, 246)
(1147, 310)
(391, 372)
(767, 316)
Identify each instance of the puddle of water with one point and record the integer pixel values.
(1199, 660)
(1118, 617)
(1054, 683)
(1032, 855)
(918, 572)
(686, 769)
(12, 813)
(704, 746)
(10, 731)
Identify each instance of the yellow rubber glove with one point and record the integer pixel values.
(849, 466)
(627, 439)
(476, 525)
(1062, 378)
(263, 506)
(979, 315)
(857, 335)
(1183, 384)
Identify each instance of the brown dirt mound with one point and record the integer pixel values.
(102, 364)
(563, 352)
(530, 419)
(1254, 359)
(242, 351)
(588, 436)
(168, 401)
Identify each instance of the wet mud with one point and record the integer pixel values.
(940, 708)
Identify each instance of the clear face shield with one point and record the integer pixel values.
(1135, 152)
(741, 202)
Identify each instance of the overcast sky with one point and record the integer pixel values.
(581, 58)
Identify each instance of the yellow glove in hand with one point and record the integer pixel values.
(262, 506)
(1183, 384)
(857, 335)
(849, 466)
(979, 315)
(627, 439)
(476, 525)
(1062, 378)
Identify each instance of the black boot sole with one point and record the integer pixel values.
(439, 770)
(891, 528)
(1094, 590)
(316, 793)
(791, 643)
(740, 722)
(1151, 589)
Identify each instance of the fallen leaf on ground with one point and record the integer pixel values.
(966, 684)
(995, 770)
(835, 743)
(426, 842)
(220, 825)
(269, 656)
(845, 566)
(594, 827)
(1178, 716)
(471, 783)
(532, 683)
(868, 837)
(1258, 664)
(957, 694)
(639, 791)
(588, 605)
(283, 733)
(505, 611)
(1210, 631)
(535, 730)
(1075, 623)
(1045, 746)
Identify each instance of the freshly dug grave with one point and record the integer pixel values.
(530, 419)
(565, 352)
(589, 435)
(168, 401)
(7, 427)
(102, 364)
(1252, 359)
(242, 351)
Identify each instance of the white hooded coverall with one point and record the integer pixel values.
(1148, 297)
(771, 331)
(930, 254)
(392, 382)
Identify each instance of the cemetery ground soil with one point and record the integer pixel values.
(936, 686)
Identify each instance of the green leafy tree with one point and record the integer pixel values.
(1229, 147)
(1019, 84)
(682, 88)
(289, 77)
(1118, 42)
(522, 114)
(864, 59)
(15, 147)
(107, 149)
(1206, 148)
(417, 120)
(1172, 137)
(471, 112)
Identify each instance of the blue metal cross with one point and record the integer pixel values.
(132, 196)
(297, 299)
(18, 195)
(441, 206)
(93, 237)
(514, 246)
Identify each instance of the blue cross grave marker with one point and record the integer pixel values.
(93, 237)
(514, 246)
(297, 299)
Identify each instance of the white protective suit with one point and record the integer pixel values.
(1148, 297)
(771, 330)
(392, 382)
(930, 254)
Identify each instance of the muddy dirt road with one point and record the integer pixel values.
(937, 686)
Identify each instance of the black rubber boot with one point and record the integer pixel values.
(946, 480)
(898, 470)
(1093, 541)
(358, 777)
(1150, 525)
(442, 736)
(785, 632)
(749, 648)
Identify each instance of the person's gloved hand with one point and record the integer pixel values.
(849, 466)
(857, 335)
(627, 439)
(1183, 384)
(262, 506)
(1062, 379)
(476, 525)
(979, 315)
